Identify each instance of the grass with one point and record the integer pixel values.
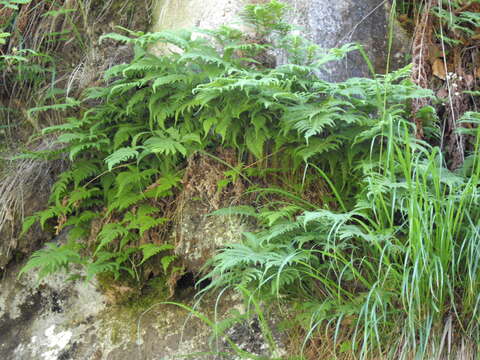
(396, 275)
(22, 181)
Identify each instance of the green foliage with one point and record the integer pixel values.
(458, 23)
(128, 151)
(29, 66)
(392, 259)
(396, 264)
(53, 258)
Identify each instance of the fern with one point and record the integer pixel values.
(120, 155)
(53, 259)
(129, 150)
(149, 250)
(109, 233)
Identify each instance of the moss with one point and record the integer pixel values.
(133, 297)
(155, 291)
(127, 305)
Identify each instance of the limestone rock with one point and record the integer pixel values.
(198, 236)
(206, 14)
(331, 24)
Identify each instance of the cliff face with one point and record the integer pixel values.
(332, 24)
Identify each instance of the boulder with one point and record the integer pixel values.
(327, 23)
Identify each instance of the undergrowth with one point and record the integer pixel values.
(47, 50)
(128, 152)
(394, 274)
(387, 266)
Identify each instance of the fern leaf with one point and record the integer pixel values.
(166, 261)
(168, 79)
(144, 223)
(53, 258)
(125, 201)
(164, 145)
(75, 150)
(49, 213)
(236, 210)
(71, 137)
(82, 170)
(149, 250)
(116, 37)
(71, 124)
(255, 141)
(319, 146)
(28, 222)
(119, 156)
(109, 233)
(70, 102)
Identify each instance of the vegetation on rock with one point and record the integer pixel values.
(383, 263)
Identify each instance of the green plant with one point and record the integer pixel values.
(401, 265)
(127, 153)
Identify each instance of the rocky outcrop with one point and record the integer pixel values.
(327, 23)
(198, 235)
(61, 320)
(331, 24)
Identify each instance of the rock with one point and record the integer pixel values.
(331, 24)
(198, 236)
(60, 320)
(48, 320)
(24, 190)
(205, 14)
(327, 23)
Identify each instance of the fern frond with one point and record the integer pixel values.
(120, 155)
(53, 258)
(109, 233)
(82, 170)
(149, 250)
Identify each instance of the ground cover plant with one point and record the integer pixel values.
(127, 153)
(48, 54)
(384, 264)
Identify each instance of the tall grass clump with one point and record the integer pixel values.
(396, 275)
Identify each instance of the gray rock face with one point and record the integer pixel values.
(328, 23)
(207, 14)
(60, 320)
(331, 24)
(47, 321)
